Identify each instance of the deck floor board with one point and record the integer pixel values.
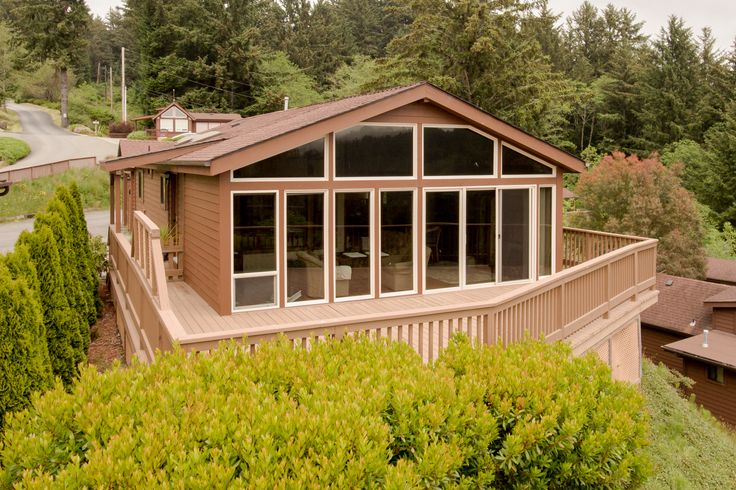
(196, 316)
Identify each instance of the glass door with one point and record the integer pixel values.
(515, 236)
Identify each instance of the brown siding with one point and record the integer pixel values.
(652, 341)
(200, 201)
(720, 399)
(151, 202)
(724, 319)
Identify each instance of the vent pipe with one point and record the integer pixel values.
(286, 103)
(705, 339)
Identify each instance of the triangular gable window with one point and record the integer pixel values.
(174, 112)
(306, 161)
(519, 163)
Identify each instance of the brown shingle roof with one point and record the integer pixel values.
(129, 148)
(721, 348)
(249, 131)
(682, 302)
(721, 270)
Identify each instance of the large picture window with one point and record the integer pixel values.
(254, 250)
(353, 240)
(375, 151)
(306, 161)
(305, 247)
(517, 162)
(457, 151)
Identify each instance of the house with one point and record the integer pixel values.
(174, 120)
(408, 214)
(672, 333)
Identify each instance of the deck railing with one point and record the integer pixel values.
(611, 270)
(139, 281)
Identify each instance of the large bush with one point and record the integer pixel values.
(350, 414)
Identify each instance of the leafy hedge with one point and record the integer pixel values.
(48, 300)
(351, 413)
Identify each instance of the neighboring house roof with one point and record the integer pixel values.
(129, 148)
(721, 348)
(721, 270)
(245, 141)
(683, 301)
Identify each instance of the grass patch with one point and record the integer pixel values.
(31, 197)
(689, 448)
(11, 120)
(12, 149)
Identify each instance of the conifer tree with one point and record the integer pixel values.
(61, 322)
(24, 359)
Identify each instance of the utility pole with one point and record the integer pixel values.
(98, 73)
(123, 91)
(112, 97)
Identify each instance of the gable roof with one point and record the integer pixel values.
(245, 141)
(721, 348)
(214, 116)
(683, 301)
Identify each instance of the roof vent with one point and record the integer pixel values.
(693, 322)
(705, 339)
(669, 282)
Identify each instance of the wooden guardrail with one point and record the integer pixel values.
(139, 283)
(557, 306)
(12, 175)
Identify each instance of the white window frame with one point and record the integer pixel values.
(553, 268)
(413, 175)
(495, 169)
(276, 274)
(371, 261)
(415, 230)
(324, 178)
(529, 155)
(326, 259)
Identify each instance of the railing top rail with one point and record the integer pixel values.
(604, 233)
(511, 297)
(148, 224)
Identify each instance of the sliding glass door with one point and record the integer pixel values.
(515, 238)
(305, 248)
(353, 244)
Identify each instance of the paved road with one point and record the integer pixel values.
(97, 223)
(49, 143)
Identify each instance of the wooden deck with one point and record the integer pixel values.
(197, 317)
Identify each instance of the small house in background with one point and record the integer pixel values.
(174, 120)
(406, 214)
(673, 334)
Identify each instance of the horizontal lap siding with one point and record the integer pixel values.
(200, 203)
(724, 319)
(652, 341)
(151, 202)
(720, 399)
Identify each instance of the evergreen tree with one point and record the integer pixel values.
(62, 324)
(720, 142)
(24, 360)
(712, 84)
(52, 30)
(671, 88)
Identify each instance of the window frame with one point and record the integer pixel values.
(719, 373)
(528, 155)
(414, 240)
(140, 184)
(326, 260)
(333, 251)
(496, 159)
(276, 274)
(325, 169)
(413, 176)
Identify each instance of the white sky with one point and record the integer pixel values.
(720, 15)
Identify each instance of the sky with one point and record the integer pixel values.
(720, 15)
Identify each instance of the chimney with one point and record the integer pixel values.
(705, 339)
(286, 103)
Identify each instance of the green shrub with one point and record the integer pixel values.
(349, 414)
(138, 135)
(12, 149)
(24, 359)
